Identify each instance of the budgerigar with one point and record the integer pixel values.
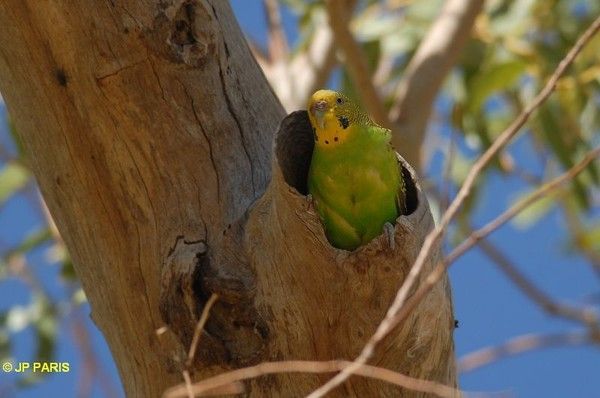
(354, 176)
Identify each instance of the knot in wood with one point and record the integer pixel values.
(189, 29)
(235, 333)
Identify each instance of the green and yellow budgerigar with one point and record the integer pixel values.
(354, 177)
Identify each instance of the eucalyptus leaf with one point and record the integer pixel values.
(534, 212)
(13, 177)
(493, 79)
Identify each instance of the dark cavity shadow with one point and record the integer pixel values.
(294, 146)
(412, 201)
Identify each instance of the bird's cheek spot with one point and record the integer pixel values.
(344, 122)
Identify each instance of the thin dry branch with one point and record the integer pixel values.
(521, 205)
(229, 389)
(521, 344)
(303, 73)
(276, 39)
(534, 293)
(339, 13)
(588, 318)
(311, 69)
(200, 326)
(425, 73)
(91, 364)
(188, 384)
(388, 323)
(266, 368)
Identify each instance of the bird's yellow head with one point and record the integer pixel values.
(331, 114)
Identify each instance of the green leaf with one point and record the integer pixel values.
(13, 177)
(534, 212)
(493, 79)
(78, 297)
(32, 241)
(16, 138)
(557, 129)
(514, 20)
(45, 325)
(590, 239)
(460, 167)
(5, 345)
(67, 272)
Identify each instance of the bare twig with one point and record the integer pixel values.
(92, 367)
(229, 389)
(200, 327)
(388, 323)
(161, 330)
(295, 75)
(188, 384)
(339, 18)
(311, 68)
(266, 368)
(193, 346)
(545, 302)
(308, 70)
(521, 344)
(277, 41)
(426, 72)
(588, 318)
(521, 205)
(449, 160)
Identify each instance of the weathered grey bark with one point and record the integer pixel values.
(149, 128)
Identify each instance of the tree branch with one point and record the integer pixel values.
(266, 368)
(545, 302)
(277, 42)
(310, 70)
(390, 320)
(297, 78)
(475, 237)
(339, 13)
(199, 327)
(521, 344)
(521, 205)
(426, 72)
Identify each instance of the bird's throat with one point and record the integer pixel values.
(330, 132)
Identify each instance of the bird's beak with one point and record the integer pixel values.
(317, 109)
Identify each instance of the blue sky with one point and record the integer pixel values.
(490, 309)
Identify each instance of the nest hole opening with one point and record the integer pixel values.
(294, 146)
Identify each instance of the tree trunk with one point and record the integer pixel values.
(149, 128)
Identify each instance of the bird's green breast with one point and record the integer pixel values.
(355, 185)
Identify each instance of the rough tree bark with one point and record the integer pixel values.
(149, 127)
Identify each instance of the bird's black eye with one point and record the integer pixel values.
(339, 100)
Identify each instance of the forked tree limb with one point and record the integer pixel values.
(425, 73)
(395, 312)
(522, 344)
